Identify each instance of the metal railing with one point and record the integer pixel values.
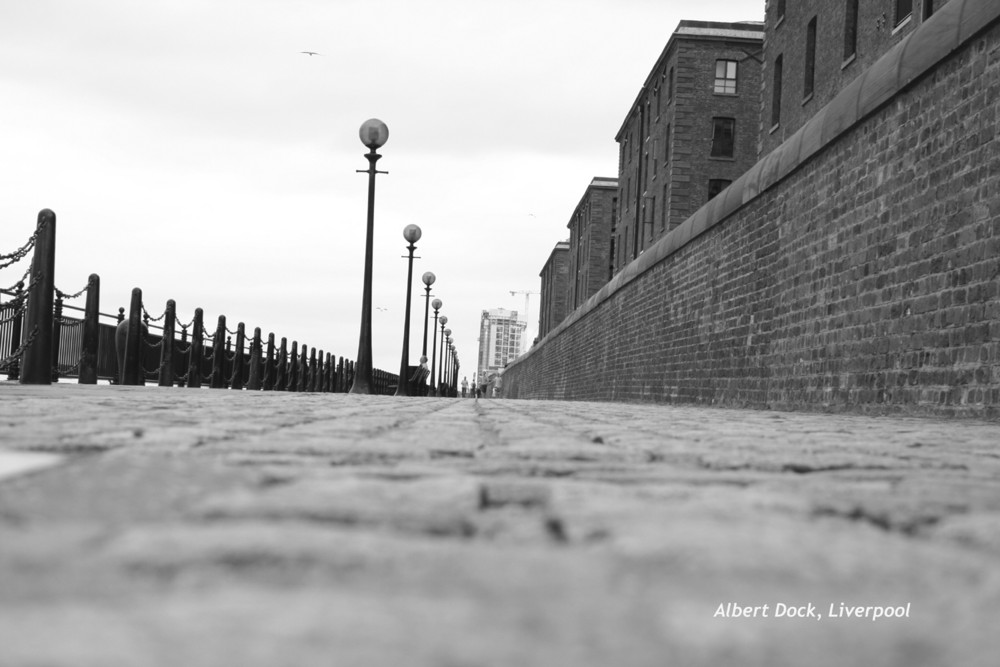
(41, 344)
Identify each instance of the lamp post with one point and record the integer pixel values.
(440, 378)
(428, 279)
(374, 134)
(448, 366)
(436, 303)
(445, 338)
(412, 234)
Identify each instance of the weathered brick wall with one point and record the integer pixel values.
(864, 278)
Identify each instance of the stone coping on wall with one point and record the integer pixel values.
(944, 32)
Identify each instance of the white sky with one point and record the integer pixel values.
(190, 149)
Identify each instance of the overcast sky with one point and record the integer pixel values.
(189, 148)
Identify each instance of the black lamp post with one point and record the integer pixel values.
(445, 339)
(412, 234)
(374, 134)
(428, 279)
(440, 379)
(450, 364)
(436, 303)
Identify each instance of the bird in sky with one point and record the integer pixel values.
(311, 53)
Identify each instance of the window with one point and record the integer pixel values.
(670, 84)
(903, 10)
(810, 64)
(656, 151)
(723, 133)
(725, 77)
(656, 91)
(666, 147)
(776, 92)
(781, 10)
(851, 29)
(663, 209)
(928, 8)
(715, 186)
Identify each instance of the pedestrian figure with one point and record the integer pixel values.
(418, 381)
(465, 386)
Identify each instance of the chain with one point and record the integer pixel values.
(21, 252)
(182, 350)
(12, 317)
(230, 331)
(13, 358)
(63, 295)
(72, 369)
(150, 317)
(19, 282)
(188, 325)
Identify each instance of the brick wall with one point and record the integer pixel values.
(857, 267)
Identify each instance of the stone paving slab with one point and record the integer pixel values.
(211, 527)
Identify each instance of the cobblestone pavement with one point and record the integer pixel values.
(198, 527)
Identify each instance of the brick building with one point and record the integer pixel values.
(691, 130)
(814, 48)
(554, 289)
(500, 341)
(590, 241)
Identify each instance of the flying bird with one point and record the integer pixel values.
(311, 53)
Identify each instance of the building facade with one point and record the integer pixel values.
(690, 132)
(554, 289)
(814, 48)
(501, 336)
(591, 229)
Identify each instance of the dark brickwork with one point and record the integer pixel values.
(590, 241)
(665, 143)
(554, 289)
(866, 279)
(877, 32)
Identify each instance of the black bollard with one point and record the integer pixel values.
(218, 379)
(239, 361)
(36, 362)
(268, 383)
(167, 345)
(254, 379)
(129, 339)
(197, 349)
(293, 368)
(281, 375)
(91, 331)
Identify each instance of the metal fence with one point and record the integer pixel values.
(40, 343)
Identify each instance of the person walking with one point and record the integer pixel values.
(465, 386)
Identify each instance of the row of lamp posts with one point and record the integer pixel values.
(374, 134)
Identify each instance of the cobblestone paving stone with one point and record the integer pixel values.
(200, 527)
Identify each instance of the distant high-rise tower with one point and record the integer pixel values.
(501, 336)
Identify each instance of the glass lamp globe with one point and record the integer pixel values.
(373, 133)
(411, 233)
